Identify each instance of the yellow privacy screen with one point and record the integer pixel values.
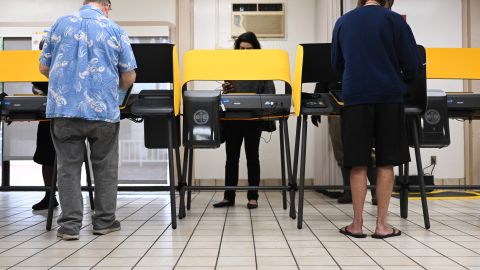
(297, 80)
(453, 63)
(211, 65)
(20, 66)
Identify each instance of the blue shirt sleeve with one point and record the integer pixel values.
(338, 63)
(46, 56)
(407, 51)
(127, 60)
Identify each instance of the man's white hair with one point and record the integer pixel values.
(102, 2)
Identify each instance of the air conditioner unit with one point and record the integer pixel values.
(265, 20)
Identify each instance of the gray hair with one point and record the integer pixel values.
(102, 2)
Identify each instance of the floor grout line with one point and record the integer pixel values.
(453, 223)
(193, 231)
(50, 245)
(283, 233)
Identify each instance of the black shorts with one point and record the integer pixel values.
(45, 152)
(379, 126)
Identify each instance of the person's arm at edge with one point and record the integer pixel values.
(127, 79)
(127, 62)
(44, 70)
(46, 55)
(338, 63)
(407, 50)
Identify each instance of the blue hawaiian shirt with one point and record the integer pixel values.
(86, 52)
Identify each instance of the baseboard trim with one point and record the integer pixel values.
(243, 182)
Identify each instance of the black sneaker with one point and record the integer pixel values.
(43, 204)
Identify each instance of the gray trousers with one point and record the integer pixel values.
(69, 135)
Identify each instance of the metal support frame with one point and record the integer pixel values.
(171, 170)
(418, 157)
(87, 163)
(404, 180)
(302, 172)
(6, 173)
(404, 171)
(285, 157)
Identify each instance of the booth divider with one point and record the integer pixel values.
(216, 65)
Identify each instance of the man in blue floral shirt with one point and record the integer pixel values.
(89, 60)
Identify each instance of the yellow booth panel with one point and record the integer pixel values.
(453, 63)
(177, 91)
(20, 66)
(297, 81)
(212, 65)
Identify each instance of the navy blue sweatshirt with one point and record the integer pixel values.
(374, 51)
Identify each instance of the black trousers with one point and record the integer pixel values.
(235, 133)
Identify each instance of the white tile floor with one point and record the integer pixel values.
(238, 238)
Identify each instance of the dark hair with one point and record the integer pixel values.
(41, 43)
(248, 37)
(383, 3)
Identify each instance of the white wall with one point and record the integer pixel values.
(123, 10)
(439, 24)
(212, 30)
(24, 17)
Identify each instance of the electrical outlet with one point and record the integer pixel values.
(433, 160)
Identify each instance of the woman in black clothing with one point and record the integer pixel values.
(236, 132)
(45, 152)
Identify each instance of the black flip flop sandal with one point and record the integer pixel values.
(345, 231)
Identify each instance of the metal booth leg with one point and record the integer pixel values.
(53, 188)
(426, 217)
(282, 164)
(182, 186)
(181, 182)
(89, 178)
(5, 173)
(190, 176)
(301, 190)
(297, 147)
(291, 181)
(171, 173)
(404, 175)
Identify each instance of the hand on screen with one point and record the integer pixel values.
(227, 86)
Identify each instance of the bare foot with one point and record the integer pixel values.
(354, 229)
(383, 229)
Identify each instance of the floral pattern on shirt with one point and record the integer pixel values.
(86, 52)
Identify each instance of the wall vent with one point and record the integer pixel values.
(265, 20)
